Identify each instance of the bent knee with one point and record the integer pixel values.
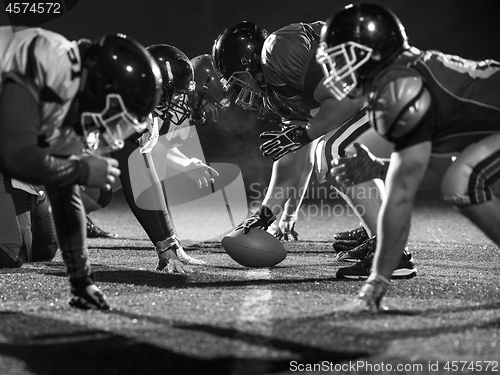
(464, 185)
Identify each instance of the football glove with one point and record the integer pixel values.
(362, 167)
(169, 259)
(187, 259)
(87, 296)
(261, 219)
(281, 143)
(285, 228)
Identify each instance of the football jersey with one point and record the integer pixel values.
(291, 70)
(48, 65)
(465, 99)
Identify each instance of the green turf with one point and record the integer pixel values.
(227, 319)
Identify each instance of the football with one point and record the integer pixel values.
(257, 248)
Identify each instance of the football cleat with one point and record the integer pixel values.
(345, 241)
(360, 271)
(93, 231)
(88, 297)
(359, 252)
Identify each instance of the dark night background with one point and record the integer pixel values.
(469, 28)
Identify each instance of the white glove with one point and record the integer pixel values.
(167, 258)
(285, 228)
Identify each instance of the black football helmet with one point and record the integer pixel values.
(209, 97)
(357, 43)
(237, 61)
(178, 83)
(121, 85)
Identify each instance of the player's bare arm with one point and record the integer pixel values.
(406, 170)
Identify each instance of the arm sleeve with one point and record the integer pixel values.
(20, 155)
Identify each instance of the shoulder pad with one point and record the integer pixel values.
(398, 103)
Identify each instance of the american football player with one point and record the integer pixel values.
(423, 102)
(279, 71)
(170, 124)
(61, 104)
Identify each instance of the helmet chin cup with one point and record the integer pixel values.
(107, 130)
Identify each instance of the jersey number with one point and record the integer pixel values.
(75, 70)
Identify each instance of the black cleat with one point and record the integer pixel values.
(93, 231)
(360, 271)
(359, 252)
(345, 241)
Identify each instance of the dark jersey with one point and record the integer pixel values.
(291, 70)
(465, 99)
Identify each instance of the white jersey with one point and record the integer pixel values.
(48, 65)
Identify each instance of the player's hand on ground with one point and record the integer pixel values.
(261, 219)
(284, 230)
(287, 231)
(361, 167)
(187, 259)
(201, 173)
(103, 171)
(168, 260)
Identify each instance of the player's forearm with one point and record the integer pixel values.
(176, 159)
(38, 168)
(20, 155)
(392, 236)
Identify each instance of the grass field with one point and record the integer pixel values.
(227, 319)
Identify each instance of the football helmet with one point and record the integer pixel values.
(209, 97)
(357, 43)
(178, 83)
(121, 85)
(237, 61)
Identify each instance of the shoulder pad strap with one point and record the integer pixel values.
(399, 104)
